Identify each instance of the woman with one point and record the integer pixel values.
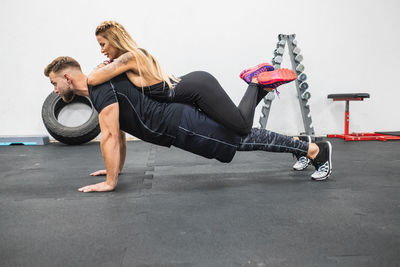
(198, 88)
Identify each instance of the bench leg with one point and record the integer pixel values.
(346, 118)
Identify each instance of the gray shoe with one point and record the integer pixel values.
(302, 162)
(323, 161)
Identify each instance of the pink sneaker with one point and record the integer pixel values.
(248, 74)
(273, 79)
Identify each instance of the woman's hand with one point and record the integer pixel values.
(103, 64)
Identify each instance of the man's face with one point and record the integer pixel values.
(62, 86)
(107, 49)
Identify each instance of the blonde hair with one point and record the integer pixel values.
(119, 38)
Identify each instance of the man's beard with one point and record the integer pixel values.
(68, 97)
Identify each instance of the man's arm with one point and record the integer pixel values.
(122, 152)
(110, 147)
(124, 63)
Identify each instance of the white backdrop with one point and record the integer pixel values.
(348, 46)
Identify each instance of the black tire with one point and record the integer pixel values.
(69, 135)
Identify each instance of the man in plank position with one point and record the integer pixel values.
(122, 109)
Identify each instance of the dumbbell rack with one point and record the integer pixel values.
(301, 84)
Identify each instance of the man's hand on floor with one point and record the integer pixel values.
(99, 173)
(100, 187)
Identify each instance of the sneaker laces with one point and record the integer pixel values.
(324, 168)
(277, 92)
(303, 160)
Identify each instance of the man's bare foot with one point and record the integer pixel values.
(100, 187)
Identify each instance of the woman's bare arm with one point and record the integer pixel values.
(124, 63)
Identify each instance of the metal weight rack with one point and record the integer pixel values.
(301, 84)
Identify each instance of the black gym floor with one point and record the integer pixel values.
(172, 208)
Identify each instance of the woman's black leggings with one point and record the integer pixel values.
(202, 90)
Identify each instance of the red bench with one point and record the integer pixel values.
(356, 136)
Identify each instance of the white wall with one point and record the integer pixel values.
(348, 46)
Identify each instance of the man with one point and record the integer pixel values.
(124, 109)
